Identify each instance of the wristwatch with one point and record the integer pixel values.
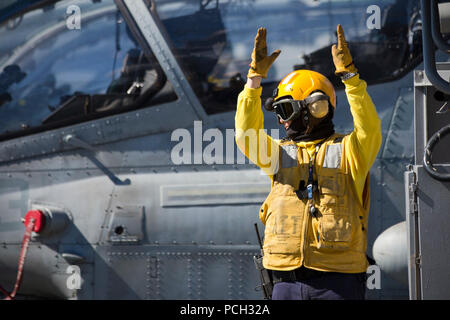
(348, 75)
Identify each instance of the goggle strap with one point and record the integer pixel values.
(316, 98)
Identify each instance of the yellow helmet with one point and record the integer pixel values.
(299, 84)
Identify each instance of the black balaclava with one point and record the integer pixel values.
(313, 128)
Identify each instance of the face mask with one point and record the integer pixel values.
(307, 127)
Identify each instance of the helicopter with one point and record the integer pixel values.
(95, 99)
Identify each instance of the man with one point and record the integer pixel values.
(316, 214)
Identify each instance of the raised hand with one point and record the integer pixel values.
(342, 58)
(260, 61)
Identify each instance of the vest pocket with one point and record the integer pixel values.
(331, 182)
(283, 247)
(335, 232)
(282, 255)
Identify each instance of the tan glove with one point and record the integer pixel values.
(342, 58)
(260, 61)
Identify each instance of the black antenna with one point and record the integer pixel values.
(259, 237)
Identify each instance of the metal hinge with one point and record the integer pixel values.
(413, 198)
(418, 260)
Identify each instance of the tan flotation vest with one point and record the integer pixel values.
(335, 240)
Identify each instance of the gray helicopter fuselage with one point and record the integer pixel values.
(137, 224)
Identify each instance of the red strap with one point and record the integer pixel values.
(23, 253)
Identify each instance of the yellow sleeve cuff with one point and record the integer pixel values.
(252, 93)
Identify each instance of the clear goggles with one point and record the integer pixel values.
(289, 109)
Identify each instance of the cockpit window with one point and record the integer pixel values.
(213, 40)
(72, 61)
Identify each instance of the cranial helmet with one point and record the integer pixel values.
(300, 84)
(298, 90)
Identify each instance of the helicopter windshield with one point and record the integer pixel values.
(213, 40)
(57, 70)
